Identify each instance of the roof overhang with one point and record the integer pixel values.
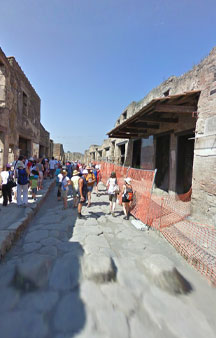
(161, 110)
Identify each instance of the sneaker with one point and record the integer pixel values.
(79, 216)
(113, 214)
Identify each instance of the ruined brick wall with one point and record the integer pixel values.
(44, 136)
(23, 104)
(74, 156)
(58, 152)
(19, 108)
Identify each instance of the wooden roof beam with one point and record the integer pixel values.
(168, 108)
(158, 119)
(143, 125)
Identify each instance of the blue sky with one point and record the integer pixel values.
(88, 59)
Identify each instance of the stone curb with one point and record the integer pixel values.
(13, 232)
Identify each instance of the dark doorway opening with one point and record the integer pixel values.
(122, 154)
(162, 162)
(185, 154)
(136, 153)
(24, 147)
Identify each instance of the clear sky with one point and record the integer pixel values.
(88, 59)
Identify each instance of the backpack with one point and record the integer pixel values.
(22, 177)
(129, 196)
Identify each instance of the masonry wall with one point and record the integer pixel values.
(19, 110)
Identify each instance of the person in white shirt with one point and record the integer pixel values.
(6, 189)
(113, 190)
(52, 167)
(64, 187)
(75, 187)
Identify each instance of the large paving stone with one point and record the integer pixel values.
(70, 314)
(9, 299)
(98, 241)
(49, 250)
(100, 269)
(36, 236)
(120, 298)
(51, 241)
(32, 272)
(112, 323)
(22, 324)
(93, 297)
(183, 321)
(65, 274)
(39, 301)
(163, 273)
(30, 247)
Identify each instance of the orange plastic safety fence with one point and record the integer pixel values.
(168, 214)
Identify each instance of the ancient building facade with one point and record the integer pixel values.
(73, 156)
(58, 152)
(173, 130)
(21, 132)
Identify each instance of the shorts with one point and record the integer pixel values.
(125, 200)
(64, 193)
(112, 197)
(90, 188)
(34, 191)
(75, 193)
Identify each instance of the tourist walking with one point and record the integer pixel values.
(6, 175)
(22, 174)
(52, 167)
(113, 190)
(127, 196)
(90, 178)
(64, 188)
(34, 183)
(75, 187)
(59, 177)
(82, 192)
(40, 169)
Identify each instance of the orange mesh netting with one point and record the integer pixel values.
(168, 214)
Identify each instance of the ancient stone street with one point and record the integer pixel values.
(99, 277)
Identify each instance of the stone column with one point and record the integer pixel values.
(172, 163)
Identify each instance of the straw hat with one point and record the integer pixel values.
(85, 171)
(75, 173)
(128, 180)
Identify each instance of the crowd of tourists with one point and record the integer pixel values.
(26, 176)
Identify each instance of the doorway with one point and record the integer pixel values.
(185, 154)
(162, 162)
(122, 153)
(137, 144)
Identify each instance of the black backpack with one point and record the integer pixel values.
(22, 177)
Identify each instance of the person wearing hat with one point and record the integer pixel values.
(82, 192)
(90, 178)
(127, 196)
(75, 187)
(6, 188)
(65, 187)
(113, 190)
(22, 175)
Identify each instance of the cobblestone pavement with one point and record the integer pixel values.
(99, 277)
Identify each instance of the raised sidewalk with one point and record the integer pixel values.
(13, 220)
